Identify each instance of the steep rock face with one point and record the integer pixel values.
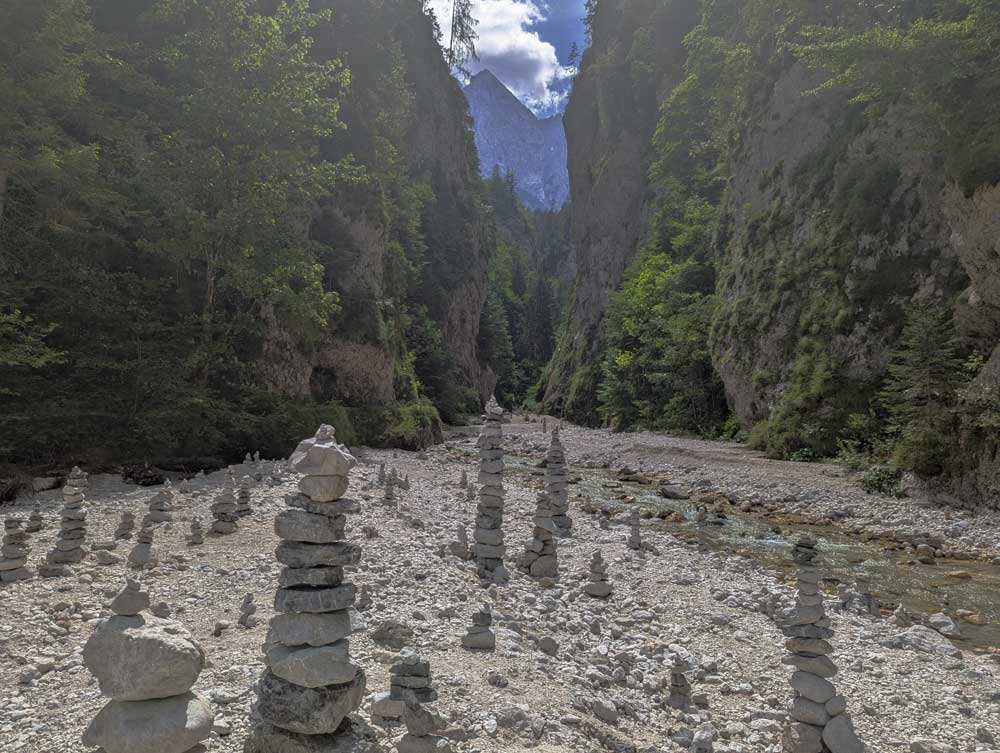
(510, 138)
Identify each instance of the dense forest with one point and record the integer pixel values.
(808, 259)
(223, 222)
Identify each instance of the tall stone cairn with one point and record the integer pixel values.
(540, 560)
(35, 521)
(197, 535)
(818, 719)
(480, 634)
(488, 536)
(634, 540)
(557, 484)
(598, 585)
(411, 680)
(679, 696)
(125, 526)
(310, 685)
(243, 498)
(14, 554)
(147, 666)
(72, 528)
(224, 508)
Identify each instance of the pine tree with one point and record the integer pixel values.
(462, 47)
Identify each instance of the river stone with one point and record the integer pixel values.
(323, 488)
(803, 738)
(808, 646)
(309, 711)
(920, 638)
(266, 738)
(167, 725)
(313, 629)
(819, 665)
(923, 745)
(410, 743)
(338, 507)
(836, 705)
(299, 525)
(310, 576)
(312, 666)
(318, 456)
(305, 599)
(295, 554)
(840, 737)
(809, 712)
(142, 657)
(814, 688)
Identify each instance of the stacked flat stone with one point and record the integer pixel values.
(243, 498)
(35, 521)
(143, 555)
(224, 509)
(72, 528)
(540, 559)
(197, 535)
(480, 635)
(598, 585)
(819, 722)
(125, 526)
(488, 535)
(460, 547)
(679, 696)
(310, 685)
(410, 681)
(159, 509)
(248, 612)
(14, 554)
(147, 666)
(634, 540)
(557, 484)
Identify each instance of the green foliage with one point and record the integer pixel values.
(883, 479)
(22, 342)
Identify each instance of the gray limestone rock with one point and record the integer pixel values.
(167, 725)
(309, 711)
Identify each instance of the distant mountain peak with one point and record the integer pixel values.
(509, 136)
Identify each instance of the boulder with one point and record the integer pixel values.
(309, 711)
(921, 638)
(167, 725)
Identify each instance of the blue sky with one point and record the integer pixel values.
(526, 44)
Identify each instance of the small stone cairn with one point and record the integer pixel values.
(72, 528)
(460, 547)
(598, 585)
(381, 474)
(860, 599)
(819, 722)
(197, 535)
(679, 696)
(540, 559)
(143, 555)
(557, 484)
(243, 498)
(411, 680)
(634, 541)
(480, 635)
(310, 685)
(147, 666)
(160, 508)
(35, 521)
(248, 612)
(489, 548)
(389, 483)
(14, 554)
(463, 481)
(224, 509)
(125, 526)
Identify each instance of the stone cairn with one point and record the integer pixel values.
(463, 481)
(159, 509)
(488, 535)
(243, 498)
(310, 685)
(819, 722)
(679, 696)
(125, 526)
(197, 535)
(147, 666)
(143, 555)
(389, 496)
(35, 521)
(460, 547)
(224, 509)
(72, 528)
(540, 560)
(411, 682)
(557, 484)
(598, 585)
(860, 598)
(14, 554)
(381, 474)
(248, 612)
(634, 541)
(480, 635)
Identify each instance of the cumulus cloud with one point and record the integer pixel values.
(509, 46)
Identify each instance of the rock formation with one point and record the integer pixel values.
(248, 612)
(488, 535)
(224, 509)
(634, 541)
(679, 696)
(598, 585)
(411, 683)
(818, 719)
(556, 483)
(159, 509)
(540, 559)
(143, 555)
(125, 526)
(147, 666)
(243, 498)
(14, 554)
(197, 535)
(479, 635)
(310, 685)
(72, 528)
(35, 521)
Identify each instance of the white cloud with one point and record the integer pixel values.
(515, 54)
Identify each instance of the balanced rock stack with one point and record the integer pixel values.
(819, 722)
(460, 547)
(557, 484)
(35, 521)
(489, 546)
(480, 634)
(310, 685)
(224, 509)
(540, 559)
(14, 554)
(143, 555)
(147, 666)
(634, 540)
(248, 612)
(411, 681)
(125, 526)
(243, 498)
(72, 528)
(197, 535)
(598, 585)
(679, 696)
(463, 481)
(159, 510)
(389, 496)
